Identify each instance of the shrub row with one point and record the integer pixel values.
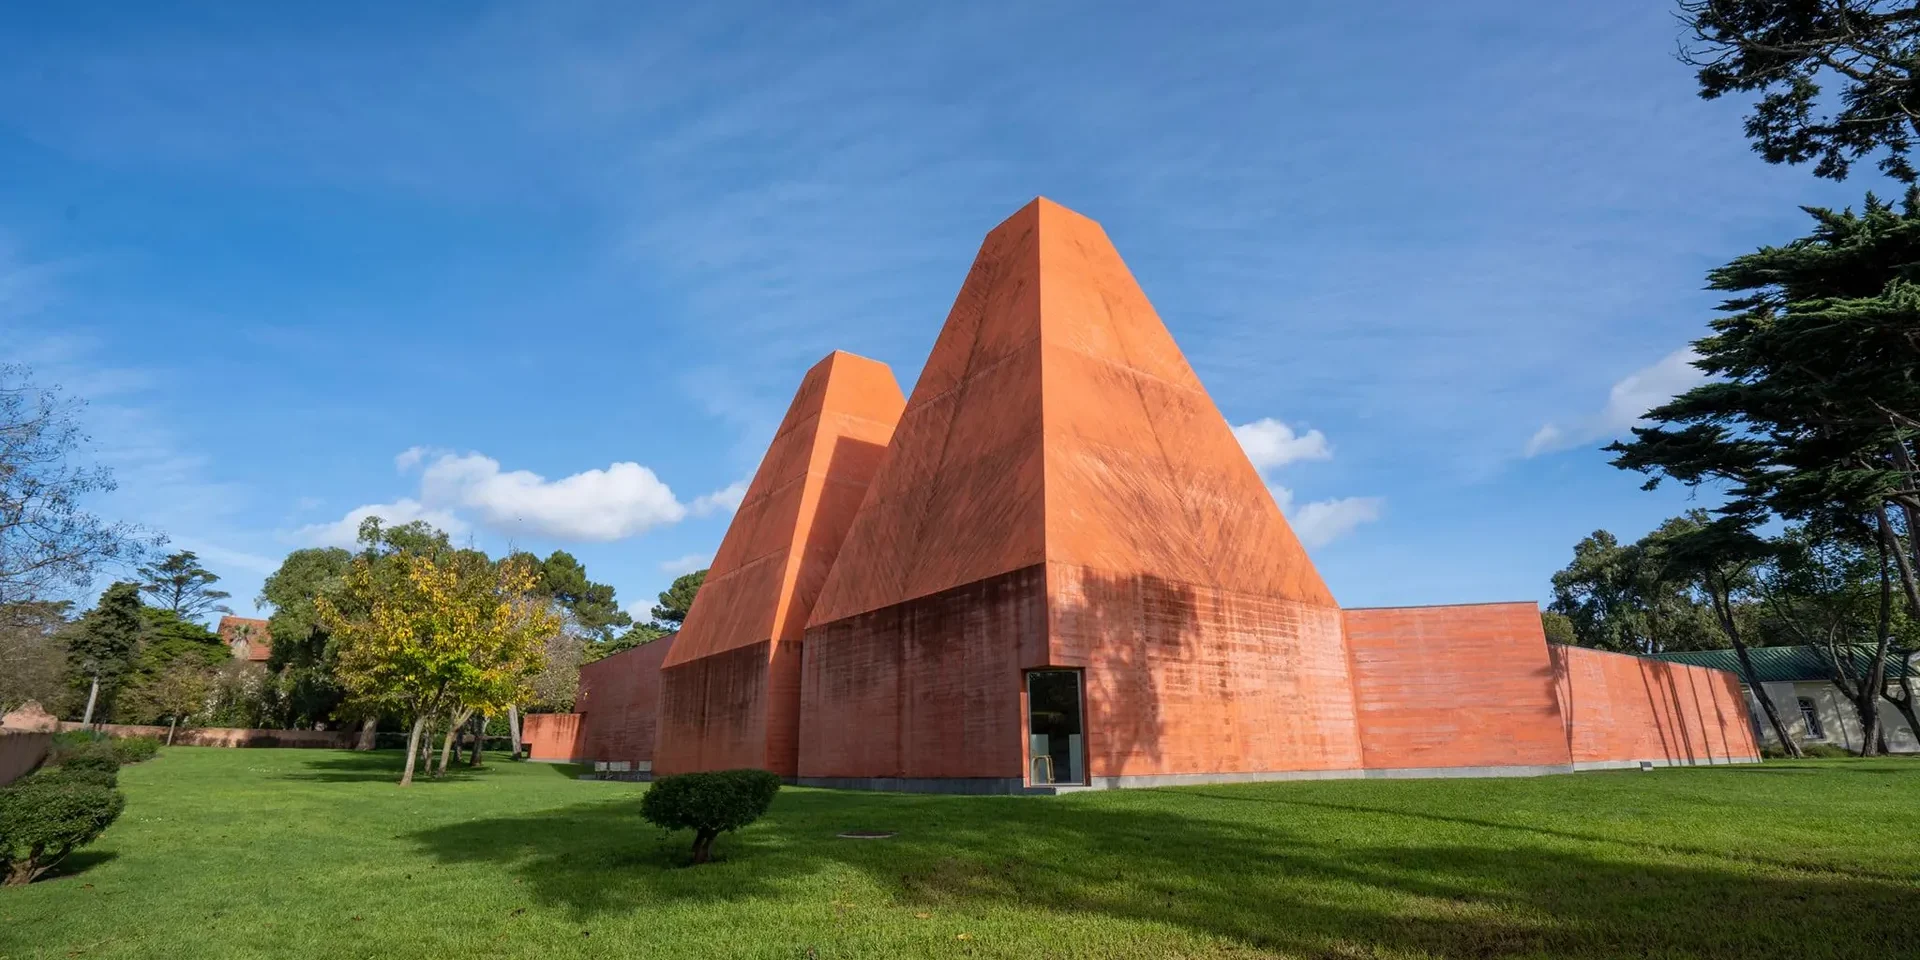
(67, 803)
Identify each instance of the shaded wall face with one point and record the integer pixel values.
(1455, 686)
(1185, 679)
(619, 701)
(929, 688)
(714, 711)
(1622, 708)
(551, 736)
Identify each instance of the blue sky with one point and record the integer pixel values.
(548, 273)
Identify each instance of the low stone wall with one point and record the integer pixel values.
(20, 752)
(229, 736)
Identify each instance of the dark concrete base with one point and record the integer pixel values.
(1016, 786)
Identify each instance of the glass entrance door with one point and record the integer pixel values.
(1055, 748)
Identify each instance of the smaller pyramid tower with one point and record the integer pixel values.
(730, 687)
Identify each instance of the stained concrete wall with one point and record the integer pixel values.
(1455, 686)
(1194, 679)
(619, 703)
(1622, 709)
(21, 752)
(1839, 721)
(927, 689)
(552, 737)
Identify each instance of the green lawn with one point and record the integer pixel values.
(298, 853)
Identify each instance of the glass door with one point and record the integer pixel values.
(1055, 748)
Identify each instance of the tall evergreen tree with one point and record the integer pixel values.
(180, 584)
(101, 650)
(1814, 411)
(671, 612)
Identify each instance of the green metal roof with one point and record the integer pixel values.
(1778, 664)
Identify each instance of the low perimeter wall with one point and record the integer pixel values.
(552, 737)
(1622, 710)
(20, 752)
(228, 736)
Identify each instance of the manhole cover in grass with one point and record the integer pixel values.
(866, 834)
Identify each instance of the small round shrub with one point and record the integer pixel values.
(93, 756)
(135, 749)
(708, 803)
(81, 774)
(41, 822)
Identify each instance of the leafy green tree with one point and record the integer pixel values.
(180, 692)
(33, 653)
(709, 804)
(671, 612)
(101, 650)
(1615, 597)
(181, 585)
(590, 606)
(301, 660)
(1558, 628)
(634, 636)
(1814, 411)
(1792, 53)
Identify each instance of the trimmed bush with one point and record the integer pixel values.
(42, 821)
(93, 756)
(71, 741)
(708, 803)
(65, 774)
(135, 749)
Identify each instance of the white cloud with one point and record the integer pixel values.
(724, 500)
(686, 564)
(1628, 399)
(409, 458)
(1324, 521)
(461, 491)
(620, 501)
(342, 532)
(1270, 444)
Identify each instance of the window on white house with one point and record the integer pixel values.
(1811, 717)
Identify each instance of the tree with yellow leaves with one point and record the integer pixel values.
(433, 636)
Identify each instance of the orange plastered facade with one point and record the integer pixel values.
(1622, 708)
(730, 689)
(1455, 686)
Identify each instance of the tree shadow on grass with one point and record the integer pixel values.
(1260, 884)
(374, 765)
(77, 863)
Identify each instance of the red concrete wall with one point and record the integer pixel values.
(1185, 679)
(731, 694)
(553, 737)
(1455, 686)
(1625, 708)
(619, 703)
(928, 688)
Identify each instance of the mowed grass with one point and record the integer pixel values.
(298, 853)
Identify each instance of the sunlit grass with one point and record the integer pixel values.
(298, 853)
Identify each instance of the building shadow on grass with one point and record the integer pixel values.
(1258, 884)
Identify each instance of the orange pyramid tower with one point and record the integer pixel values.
(729, 690)
(1065, 569)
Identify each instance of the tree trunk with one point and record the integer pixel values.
(703, 844)
(479, 740)
(172, 722)
(1724, 608)
(92, 695)
(446, 745)
(368, 727)
(513, 729)
(413, 749)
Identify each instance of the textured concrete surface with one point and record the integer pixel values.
(1621, 707)
(1455, 686)
(552, 737)
(620, 700)
(730, 694)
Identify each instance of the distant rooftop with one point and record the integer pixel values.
(1788, 664)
